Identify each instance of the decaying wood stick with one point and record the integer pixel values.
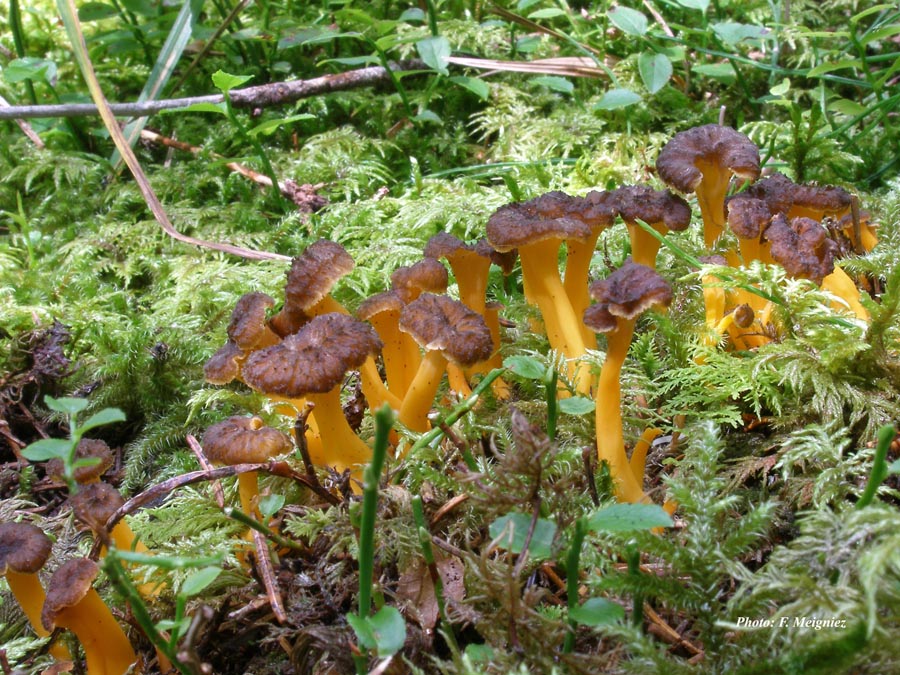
(262, 96)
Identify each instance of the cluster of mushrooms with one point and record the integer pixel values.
(70, 601)
(302, 353)
(403, 342)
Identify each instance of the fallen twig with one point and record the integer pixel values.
(261, 96)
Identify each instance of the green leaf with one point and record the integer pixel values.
(270, 505)
(365, 60)
(384, 632)
(482, 653)
(722, 72)
(142, 7)
(428, 116)
(894, 467)
(528, 44)
(731, 33)
(824, 68)
(555, 83)
(413, 15)
(514, 527)
(655, 70)
(597, 612)
(95, 11)
(30, 68)
(218, 108)
(197, 581)
(843, 106)
(525, 366)
(701, 5)
(781, 89)
(434, 51)
(613, 99)
(225, 82)
(47, 448)
(628, 20)
(474, 84)
(105, 416)
(628, 518)
(548, 13)
(69, 406)
(271, 126)
(576, 405)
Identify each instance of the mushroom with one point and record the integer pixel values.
(244, 440)
(426, 276)
(660, 209)
(702, 160)
(94, 504)
(802, 247)
(72, 603)
(748, 217)
(247, 331)
(535, 229)
(621, 297)
(24, 548)
(447, 330)
(312, 363)
(470, 265)
(87, 449)
(400, 352)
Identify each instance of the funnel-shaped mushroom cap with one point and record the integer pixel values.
(248, 321)
(240, 440)
(24, 548)
(88, 448)
(445, 245)
(554, 215)
(68, 586)
(782, 195)
(313, 360)
(440, 323)
(388, 301)
(802, 247)
(95, 503)
(712, 145)
(224, 365)
(626, 293)
(425, 276)
(315, 272)
(748, 217)
(641, 202)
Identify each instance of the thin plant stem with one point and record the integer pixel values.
(573, 558)
(15, 25)
(879, 466)
(254, 524)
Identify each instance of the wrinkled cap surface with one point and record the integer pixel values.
(445, 245)
(552, 216)
(313, 360)
(802, 247)
(438, 322)
(24, 548)
(68, 586)
(240, 440)
(380, 303)
(631, 290)
(425, 276)
(314, 273)
(224, 365)
(748, 217)
(248, 321)
(88, 448)
(782, 195)
(655, 207)
(710, 145)
(94, 503)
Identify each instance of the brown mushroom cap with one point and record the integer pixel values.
(313, 360)
(24, 548)
(315, 272)
(426, 276)
(224, 365)
(505, 260)
(248, 322)
(748, 216)
(68, 586)
(782, 195)
(711, 143)
(553, 215)
(88, 448)
(438, 322)
(239, 440)
(446, 245)
(94, 503)
(802, 247)
(641, 202)
(388, 301)
(626, 293)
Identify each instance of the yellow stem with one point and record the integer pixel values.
(400, 352)
(638, 461)
(575, 282)
(29, 593)
(420, 397)
(341, 447)
(106, 647)
(840, 284)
